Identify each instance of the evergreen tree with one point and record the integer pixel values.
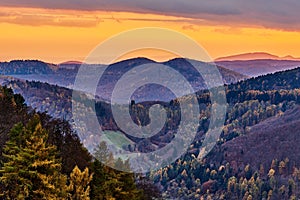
(97, 182)
(109, 183)
(14, 186)
(32, 169)
(78, 187)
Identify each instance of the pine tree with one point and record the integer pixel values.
(15, 186)
(109, 183)
(32, 169)
(15, 165)
(49, 182)
(102, 153)
(78, 187)
(97, 182)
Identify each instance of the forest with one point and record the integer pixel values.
(43, 157)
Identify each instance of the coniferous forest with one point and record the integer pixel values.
(42, 158)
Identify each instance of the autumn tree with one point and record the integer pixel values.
(79, 188)
(32, 169)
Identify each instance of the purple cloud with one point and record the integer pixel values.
(271, 14)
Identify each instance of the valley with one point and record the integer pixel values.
(258, 109)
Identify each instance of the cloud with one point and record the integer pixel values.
(277, 14)
(41, 18)
(75, 18)
(190, 27)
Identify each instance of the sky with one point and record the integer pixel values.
(57, 31)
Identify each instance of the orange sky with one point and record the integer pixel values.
(62, 35)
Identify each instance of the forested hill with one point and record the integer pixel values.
(64, 75)
(14, 111)
(42, 158)
(257, 67)
(251, 103)
(57, 100)
(287, 80)
(22, 67)
(254, 157)
(275, 138)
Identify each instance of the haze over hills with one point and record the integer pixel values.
(258, 67)
(248, 64)
(71, 62)
(258, 63)
(57, 100)
(64, 75)
(115, 71)
(256, 56)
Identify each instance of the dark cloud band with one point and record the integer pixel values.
(276, 14)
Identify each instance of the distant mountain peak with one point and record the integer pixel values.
(72, 62)
(27, 67)
(256, 56)
(136, 59)
(133, 61)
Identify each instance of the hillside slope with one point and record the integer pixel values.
(259, 67)
(274, 138)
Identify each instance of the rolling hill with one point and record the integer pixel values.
(64, 75)
(275, 138)
(260, 127)
(255, 56)
(254, 68)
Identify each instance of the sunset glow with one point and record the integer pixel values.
(58, 35)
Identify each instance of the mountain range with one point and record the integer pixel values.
(254, 68)
(256, 56)
(259, 134)
(65, 74)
